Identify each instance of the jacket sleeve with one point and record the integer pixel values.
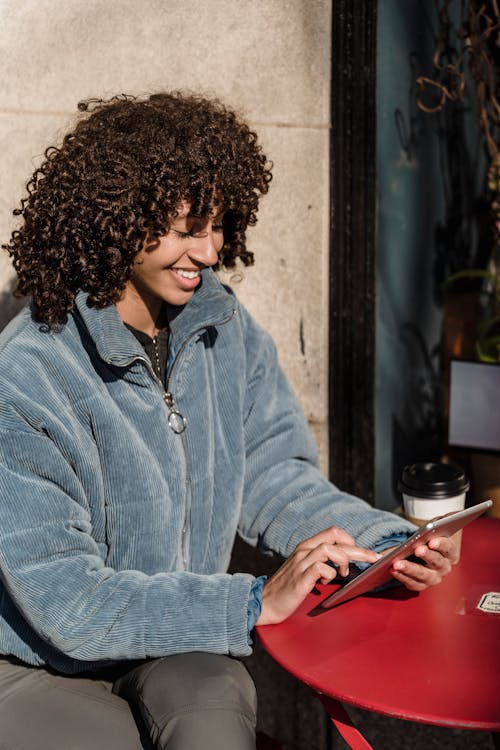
(53, 573)
(287, 499)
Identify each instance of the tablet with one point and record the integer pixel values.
(379, 573)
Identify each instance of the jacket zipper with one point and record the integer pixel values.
(176, 420)
(178, 423)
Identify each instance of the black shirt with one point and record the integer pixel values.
(156, 348)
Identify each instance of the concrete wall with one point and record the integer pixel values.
(270, 59)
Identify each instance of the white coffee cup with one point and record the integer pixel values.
(433, 489)
(422, 509)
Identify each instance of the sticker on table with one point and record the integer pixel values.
(490, 602)
(477, 601)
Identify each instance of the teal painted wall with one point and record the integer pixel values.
(410, 206)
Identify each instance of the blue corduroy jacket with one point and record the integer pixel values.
(115, 530)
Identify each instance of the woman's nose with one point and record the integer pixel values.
(204, 250)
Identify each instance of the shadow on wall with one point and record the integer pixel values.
(9, 305)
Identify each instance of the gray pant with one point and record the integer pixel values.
(180, 702)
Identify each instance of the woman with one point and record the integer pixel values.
(144, 422)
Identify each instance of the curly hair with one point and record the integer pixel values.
(118, 178)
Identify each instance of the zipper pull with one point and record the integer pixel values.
(176, 421)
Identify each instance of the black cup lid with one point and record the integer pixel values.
(433, 480)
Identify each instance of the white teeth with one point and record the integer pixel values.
(187, 274)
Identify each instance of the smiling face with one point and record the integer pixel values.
(167, 269)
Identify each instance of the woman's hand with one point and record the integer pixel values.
(294, 580)
(438, 556)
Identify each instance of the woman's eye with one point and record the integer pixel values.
(190, 233)
(197, 234)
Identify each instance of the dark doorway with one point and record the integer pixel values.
(352, 238)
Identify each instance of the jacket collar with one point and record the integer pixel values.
(210, 305)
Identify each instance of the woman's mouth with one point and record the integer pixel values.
(188, 279)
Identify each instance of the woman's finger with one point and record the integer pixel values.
(415, 576)
(339, 554)
(434, 560)
(447, 546)
(409, 582)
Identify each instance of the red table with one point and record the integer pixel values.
(432, 657)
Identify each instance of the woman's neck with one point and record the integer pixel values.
(136, 312)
